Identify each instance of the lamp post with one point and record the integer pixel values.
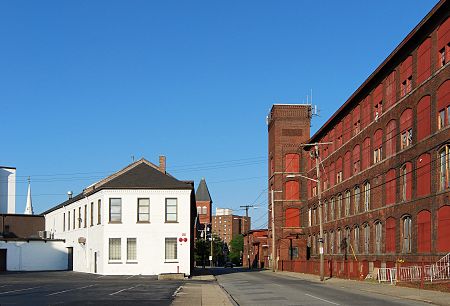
(319, 197)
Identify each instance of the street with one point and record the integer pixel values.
(266, 288)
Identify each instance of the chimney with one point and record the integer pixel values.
(162, 164)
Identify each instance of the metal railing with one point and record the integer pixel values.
(435, 272)
(387, 275)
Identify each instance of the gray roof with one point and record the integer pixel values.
(202, 193)
(139, 175)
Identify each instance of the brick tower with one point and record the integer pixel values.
(288, 127)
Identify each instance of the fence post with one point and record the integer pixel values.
(422, 275)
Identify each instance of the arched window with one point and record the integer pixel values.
(443, 104)
(391, 136)
(356, 120)
(356, 239)
(356, 159)
(406, 128)
(199, 210)
(366, 238)
(390, 186)
(378, 146)
(338, 241)
(339, 206)
(339, 170)
(292, 163)
(347, 165)
(332, 250)
(390, 235)
(331, 177)
(366, 196)
(332, 207)
(443, 45)
(292, 190)
(347, 237)
(406, 182)
(204, 210)
(366, 154)
(424, 231)
(347, 202)
(356, 199)
(443, 243)
(406, 76)
(325, 242)
(378, 236)
(444, 167)
(406, 234)
(423, 118)
(423, 174)
(378, 101)
(424, 61)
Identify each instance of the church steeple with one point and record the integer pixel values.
(29, 206)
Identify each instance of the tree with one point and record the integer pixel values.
(236, 249)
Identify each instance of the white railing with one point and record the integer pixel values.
(387, 275)
(435, 272)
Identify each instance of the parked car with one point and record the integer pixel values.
(229, 264)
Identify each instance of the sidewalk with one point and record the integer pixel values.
(202, 290)
(428, 296)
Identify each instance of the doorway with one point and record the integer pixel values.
(70, 259)
(2, 260)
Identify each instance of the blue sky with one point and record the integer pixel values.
(84, 85)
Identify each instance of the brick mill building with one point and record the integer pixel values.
(226, 225)
(385, 177)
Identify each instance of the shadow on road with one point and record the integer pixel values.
(221, 270)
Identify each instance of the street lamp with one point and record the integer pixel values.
(319, 197)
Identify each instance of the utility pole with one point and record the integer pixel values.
(319, 197)
(212, 245)
(246, 207)
(272, 192)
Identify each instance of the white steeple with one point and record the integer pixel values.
(29, 207)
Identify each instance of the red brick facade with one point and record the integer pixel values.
(385, 177)
(229, 226)
(256, 242)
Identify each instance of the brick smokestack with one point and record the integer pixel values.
(162, 164)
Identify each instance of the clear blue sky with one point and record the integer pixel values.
(84, 85)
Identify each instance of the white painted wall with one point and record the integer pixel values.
(35, 255)
(150, 237)
(7, 190)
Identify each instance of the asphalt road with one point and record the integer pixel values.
(72, 288)
(263, 288)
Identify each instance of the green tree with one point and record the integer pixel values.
(236, 249)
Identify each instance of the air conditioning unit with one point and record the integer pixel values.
(44, 234)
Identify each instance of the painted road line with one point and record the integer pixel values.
(321, 299)
(131, 276)
(18, 290)
(59, 292)
(114, 293)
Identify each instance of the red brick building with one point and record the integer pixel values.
(203, 203)
(288, 126)
(229, 226)
(256, 242)
(385, 177)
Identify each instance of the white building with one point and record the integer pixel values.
(7, 190)
(137, 221)
(223, 211)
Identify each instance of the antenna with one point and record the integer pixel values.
(132, 158)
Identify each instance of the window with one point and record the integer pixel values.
(314, 216)
(378, 146)
(366, 196)
(406, 76)
(325, 211)
(424, 232)
(115, 210)
(204, 210)
(356, 159)
(406, 247)
(356, 198)
(131, 249)
(347, 203)
(338, 240)
(171, 249)
(406, 138)
(292, 162)
(339, 205)
(309, 217)
(441, 119)
(390, 185)
(356, 239)
(423, 175)
(92, 213)
(338, 177)
(292, 217)
(143, 210)
(443, 228)
(85, 215)
(378, 101)
(442, 57)
(443, 104)
(406, 129)
(325, 243)
(366, 238)
(406, 86)
(390, 235)
(314, 191)
(378, 236)
(293, 252)
(171, 210)
(114, 248)
(391, 137)
(405, 182)
(332, 243)
(423, 118)
(332, 209)
(444, 167)
(64, 222)
(292, 190)
(365, 163)
(79, 217)
(99, 212)
(199, 210)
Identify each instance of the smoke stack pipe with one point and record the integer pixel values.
(162, 164)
